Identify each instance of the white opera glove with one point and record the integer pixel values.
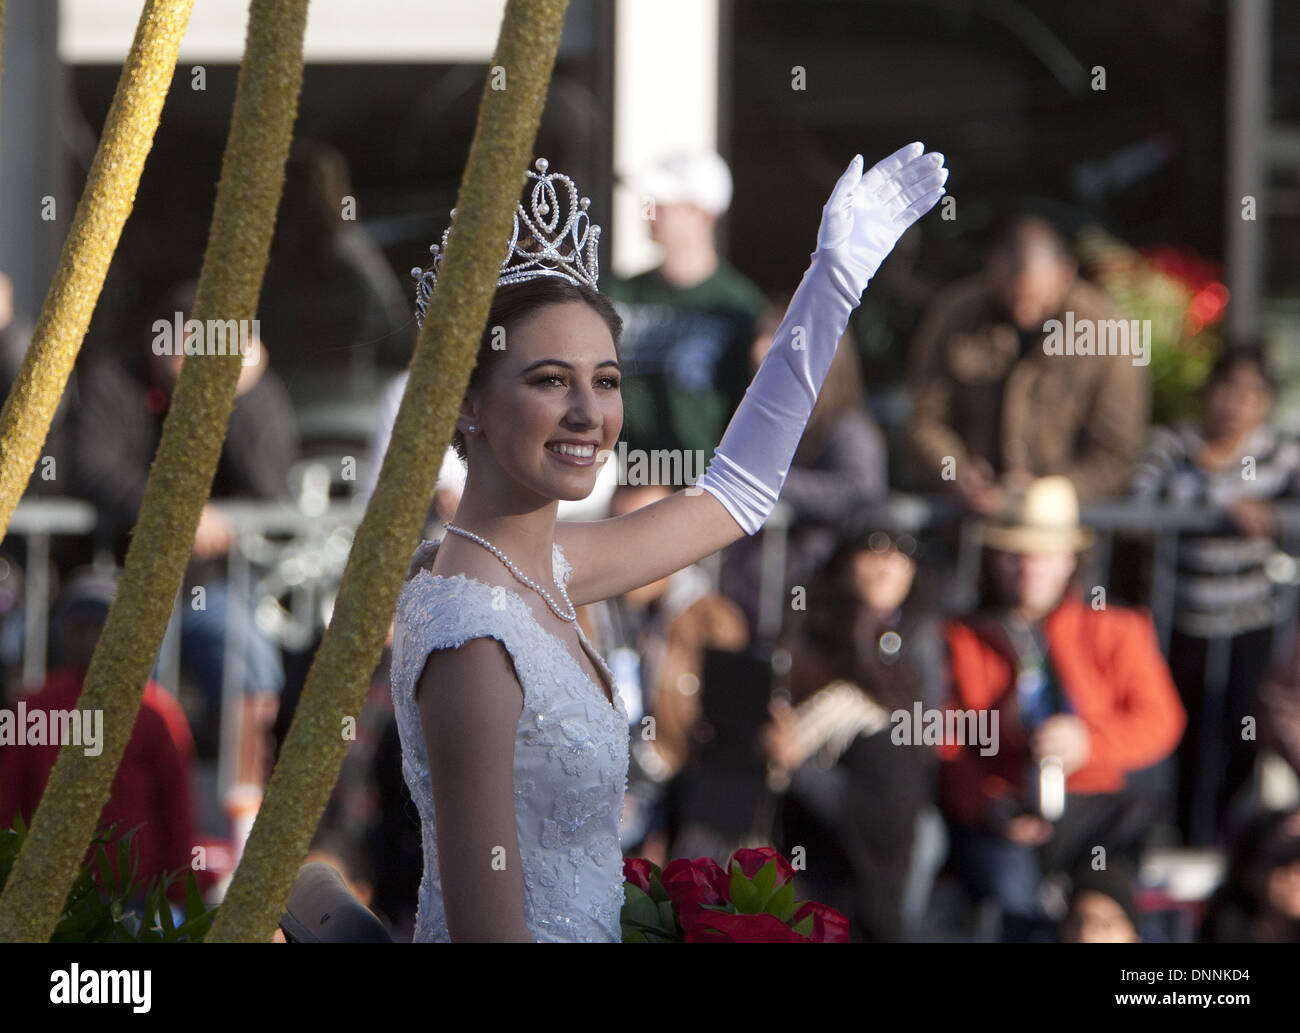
(861, 222)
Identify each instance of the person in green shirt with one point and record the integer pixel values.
(687, 324)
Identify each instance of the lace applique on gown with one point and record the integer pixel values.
(571, 756)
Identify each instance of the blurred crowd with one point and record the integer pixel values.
(1005, 767)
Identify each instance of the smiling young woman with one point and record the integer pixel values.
(514, 737)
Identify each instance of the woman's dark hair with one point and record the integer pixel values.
(839, 624)
(513, 303)
(1240, 907)
(1231, 356)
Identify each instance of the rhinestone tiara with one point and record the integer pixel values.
(536, 240)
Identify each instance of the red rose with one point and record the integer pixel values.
(637, 871)
(829, 926)
(692, 884)
(717, 927)
(714, 874)
(752, 861)
(701, 871)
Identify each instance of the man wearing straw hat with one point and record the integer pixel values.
(1085, 700)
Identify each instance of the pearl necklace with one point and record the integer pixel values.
(571, 617)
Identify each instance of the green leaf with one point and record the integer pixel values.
(123, 866)
(165, 913)
(657, 892)
(804, 926)
(744, 895)
(105, 869)
(92, 914)
(649, 930)
(765, 881)
(782, 903)
(667, 918)
(193, 898)
(193, 929)
(147, 935)
(129, 863)
(638, 907)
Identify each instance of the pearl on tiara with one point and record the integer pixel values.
(543, 236)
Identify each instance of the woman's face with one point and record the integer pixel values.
(558, 382)
(1237, 404)
(883, 578)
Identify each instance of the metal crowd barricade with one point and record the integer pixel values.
(1163, 524)
(307, 564)
(917, 514)
(37, 520)
(307, 567)
(1167, 525)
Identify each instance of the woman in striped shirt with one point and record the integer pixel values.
(1226, 606)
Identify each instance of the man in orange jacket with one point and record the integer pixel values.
(1084, 701)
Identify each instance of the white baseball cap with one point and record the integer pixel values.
(700, 178)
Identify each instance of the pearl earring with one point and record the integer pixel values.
(470, 428)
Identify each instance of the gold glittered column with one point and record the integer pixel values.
(252, 176)
(96, 226)
(444, 358)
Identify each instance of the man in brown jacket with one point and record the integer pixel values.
(996, 403)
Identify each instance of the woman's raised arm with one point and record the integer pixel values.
(864, 218)
(610, 557)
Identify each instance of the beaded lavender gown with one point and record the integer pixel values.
(571, 755)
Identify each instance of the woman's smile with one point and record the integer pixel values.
(572, 453)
